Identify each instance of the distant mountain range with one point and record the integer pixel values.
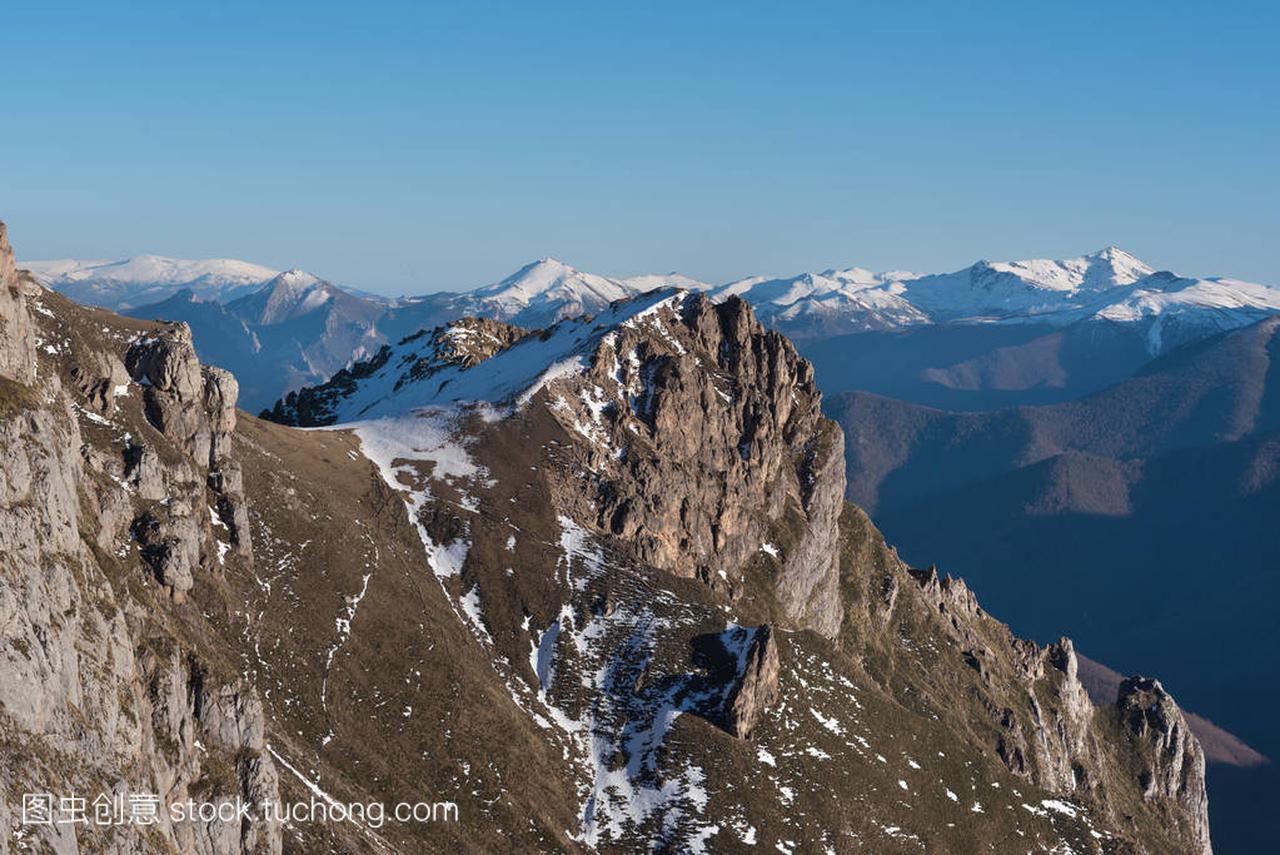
(149, 278)
(990, 335)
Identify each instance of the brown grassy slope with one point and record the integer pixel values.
(413, 708)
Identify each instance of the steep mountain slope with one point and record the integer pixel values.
(286, 297)
(1162, 488)
(1103, 686)
(604, 598)
(149, 279)
(118, 491)
(631, 417)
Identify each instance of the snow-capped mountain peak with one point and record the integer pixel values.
(1108, 268)
(297, 280)
(552, 276)
(287, 296)
(152, 269)
(144, 279)
(545, 291)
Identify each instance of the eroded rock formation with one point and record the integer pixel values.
(757, 686)
(707, 445)
(98, 693)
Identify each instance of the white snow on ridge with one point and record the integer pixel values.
(650, 281)
(861, 298)
(1020, 289)
(546, 291)
(1167, 294)
(511, 376)
(151, 269)
(1109, 268)
(147, 279)
(1109, 284)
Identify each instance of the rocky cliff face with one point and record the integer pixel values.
(1168, 759)
(699, 432)
(103, 689)
(18, 355)
(705, 443)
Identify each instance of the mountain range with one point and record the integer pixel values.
(989, 335)
(587, 588)
(149, 278)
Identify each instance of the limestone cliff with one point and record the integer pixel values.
(706, 444)
(105, 690)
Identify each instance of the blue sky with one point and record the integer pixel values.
(411, 147)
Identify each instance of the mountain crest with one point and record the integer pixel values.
(286, 297)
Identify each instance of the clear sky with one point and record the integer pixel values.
(411, 147)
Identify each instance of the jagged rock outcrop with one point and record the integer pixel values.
(465, 342)
(700, 431)
(706, 443)
(190, 403)
(548, 481)
(190, 716)
(18, 351)
(169, 537)
(96, 377)
(1032, 708)
(194, 405)
(757, 686)
(1169, 760)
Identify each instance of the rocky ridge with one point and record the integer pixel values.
(689, 438)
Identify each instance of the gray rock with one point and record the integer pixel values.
(86, 702)
(720, 448)
(169, 539)
(1169, 758)
(17, 334)
(757, 686)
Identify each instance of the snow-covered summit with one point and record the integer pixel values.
(1024, 289)
(832, 302)
(287, 296)
(546, 291)
(1108, 285)
(1197, 306)
(1108, 268)
(152, 269)
(149, 278)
